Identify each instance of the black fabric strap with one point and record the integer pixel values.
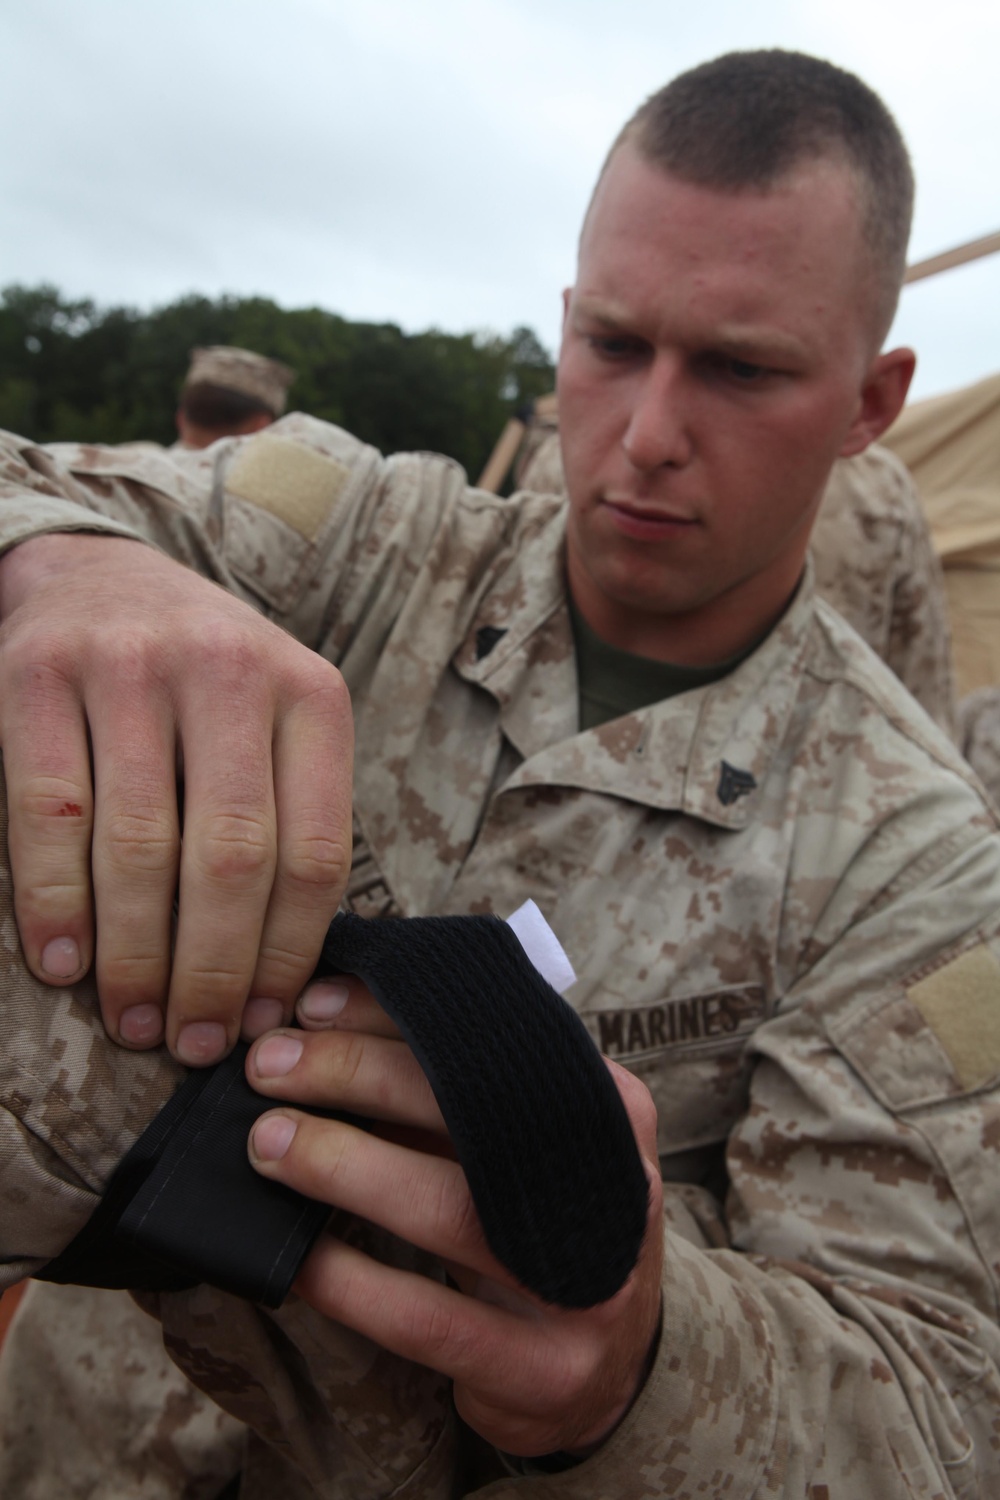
(185, 1205)
(536, 1121)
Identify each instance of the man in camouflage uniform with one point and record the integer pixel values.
(780, 887)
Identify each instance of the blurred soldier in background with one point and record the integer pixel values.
(229, 392)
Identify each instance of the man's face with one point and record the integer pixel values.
(715, 352)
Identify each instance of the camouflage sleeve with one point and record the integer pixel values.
(136, 491)
(37, 497)
(302, 521)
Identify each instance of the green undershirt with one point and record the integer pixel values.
(613, 682)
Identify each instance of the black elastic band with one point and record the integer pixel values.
(535, 1118)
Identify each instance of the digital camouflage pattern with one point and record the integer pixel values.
(876, 564)
(781, 893)
(979, 736)
(93, 1406)
(873, 556)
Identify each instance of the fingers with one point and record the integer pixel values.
(228, 855)
(412, 1316)
(136, 850)
(313, 751)
(344, 1002)
(373, 1076)
(46, 764)
(48, 610)
(422, 1198)
(266, 846)
(641, 1110)
(530, 1379)
(108, 635)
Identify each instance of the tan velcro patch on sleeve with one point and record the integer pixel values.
(294, 483)
(961, 1005)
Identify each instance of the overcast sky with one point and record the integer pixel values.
(427, 162)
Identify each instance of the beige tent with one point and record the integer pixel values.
(951, 445)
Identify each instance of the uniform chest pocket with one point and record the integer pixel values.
(690, 1053)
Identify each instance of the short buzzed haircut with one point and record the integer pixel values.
(747, 119)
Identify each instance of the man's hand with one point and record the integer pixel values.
(120, 671)
(530, 1378)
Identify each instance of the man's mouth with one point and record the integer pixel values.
(647, 523)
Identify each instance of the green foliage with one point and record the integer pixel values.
(72, 371)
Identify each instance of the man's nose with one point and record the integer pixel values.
(658, 431)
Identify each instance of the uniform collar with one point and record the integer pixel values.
(706, 753)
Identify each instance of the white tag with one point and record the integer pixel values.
(542, 946)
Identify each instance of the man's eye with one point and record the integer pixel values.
(744, 371)
(613, 348)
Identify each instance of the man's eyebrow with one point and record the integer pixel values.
(760, 342)
(754, 343)
(607, 314)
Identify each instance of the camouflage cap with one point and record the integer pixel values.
(242, 370)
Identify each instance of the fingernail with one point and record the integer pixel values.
(141, 1025)
(260, 1016)
(201, 1042)
(61, 958)
(322, 1002)
(277, 1056)
(272, 1136)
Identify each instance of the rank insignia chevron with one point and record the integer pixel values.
(734, 784)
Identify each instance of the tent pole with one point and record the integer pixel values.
(960, 256)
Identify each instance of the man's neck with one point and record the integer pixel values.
(724, 630)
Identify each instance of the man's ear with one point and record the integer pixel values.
(567, 294)
(882, 397)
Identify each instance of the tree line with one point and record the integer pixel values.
(73, 370)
